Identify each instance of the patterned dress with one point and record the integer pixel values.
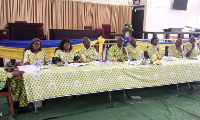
(174, 52)
(91, 52)
(62, 55)
(188, 47)
(154, 50)
(115, 53)
(134, 52)
(33, 57)
(18, 91)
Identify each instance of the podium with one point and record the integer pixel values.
(24, 31)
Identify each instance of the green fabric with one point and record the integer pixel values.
(188, 47)
(158, 103)
(92, 78)
(115, 53)
(88, 55)
(134, 52)
(174, 52)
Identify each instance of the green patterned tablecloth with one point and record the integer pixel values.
(59, 81)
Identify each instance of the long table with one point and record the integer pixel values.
(66, 81)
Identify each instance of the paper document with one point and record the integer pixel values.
(28, 68)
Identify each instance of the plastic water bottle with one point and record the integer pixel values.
(100, 60)
(49, 63)
(142, 56)
(41, 64)
(169, 56)
(151, 57)
(184, 56)
(129, 59)
(37, 66)
(66, 61)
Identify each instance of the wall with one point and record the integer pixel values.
(160, 15)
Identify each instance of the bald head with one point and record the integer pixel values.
(86, 42)
(179, 42)
(132, 41)
(192, 40)
(120, 42)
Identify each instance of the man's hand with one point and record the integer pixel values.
(124, 51)
(87, 56)
(120, 60)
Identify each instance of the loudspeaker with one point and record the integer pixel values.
(180, 4)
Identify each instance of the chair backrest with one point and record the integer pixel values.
(87, 27)
(42, 36)
(146, 53)
(166, 50)
(101, 31)
(6, 35)
(6, 92)
(107, 30)
(20, 21)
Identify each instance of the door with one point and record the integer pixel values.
(137, 21)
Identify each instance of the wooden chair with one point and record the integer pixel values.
(6, 92)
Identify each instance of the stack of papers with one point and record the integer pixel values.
(28, 68)
(77, 64)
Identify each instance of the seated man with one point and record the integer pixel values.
(18, 91)
(117, 52)
(175, 49)
(87, 53)
(191, 48)
(154, 48)
(134, 51)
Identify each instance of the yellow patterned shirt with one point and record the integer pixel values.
(91, 52)
(62, 55)
(174, 52)
(33, 57)
(154, 50)
(115, 53)
(188, 47)
(3, 76)
(134, 52)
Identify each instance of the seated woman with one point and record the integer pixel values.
(154, 48)
(35, 52)
(65, 50)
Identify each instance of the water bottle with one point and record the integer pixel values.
(37, 66)
(108, 59)
(49, 63)
(41, 64)
(66, 61)
(142, 56)
(100, 60)
(184, 55)
(151, 57)
(129, 59)
(169, 56)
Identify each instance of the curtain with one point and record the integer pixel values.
(64, 14)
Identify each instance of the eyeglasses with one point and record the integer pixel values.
(36, 43)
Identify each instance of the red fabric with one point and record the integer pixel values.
(101, 31)
(88, 27)
(20, 21)
(107, 30)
